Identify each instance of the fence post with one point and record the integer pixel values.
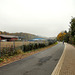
(0, 48)
(13, 45)
(23, 46)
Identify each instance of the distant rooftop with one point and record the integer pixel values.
(37, 39)
(9, 36)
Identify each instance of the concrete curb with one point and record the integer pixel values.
(59, 65)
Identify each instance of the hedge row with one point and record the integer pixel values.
(33, 46)
(9, 51)
(36, 46)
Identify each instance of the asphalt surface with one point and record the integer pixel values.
(42, 63)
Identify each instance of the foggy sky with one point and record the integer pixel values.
(40, 17)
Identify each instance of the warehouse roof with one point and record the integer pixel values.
(9, 36)
(36, 39)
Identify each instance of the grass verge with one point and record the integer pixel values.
(21, 55)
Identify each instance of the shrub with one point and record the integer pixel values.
(18, 52)
(25, 48)
(1, 59)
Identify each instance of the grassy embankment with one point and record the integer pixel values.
(20, 55)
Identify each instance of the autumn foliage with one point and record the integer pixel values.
(69, 36)
(61, 36)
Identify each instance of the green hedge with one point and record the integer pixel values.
(34, 46)
(10, 51)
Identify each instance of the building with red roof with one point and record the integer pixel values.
(8, 37)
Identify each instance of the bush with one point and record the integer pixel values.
(30, 46)
(35, 46)
(1, 59)
(18, 52)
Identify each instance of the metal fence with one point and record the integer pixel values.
(10, 47)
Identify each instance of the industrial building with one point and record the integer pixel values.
(8, 37)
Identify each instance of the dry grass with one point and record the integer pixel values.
(9, 44)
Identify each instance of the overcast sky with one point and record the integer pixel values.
(40, 17)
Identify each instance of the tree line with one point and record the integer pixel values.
(69, 36)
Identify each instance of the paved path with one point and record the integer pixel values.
(68, 66)
(42, 63)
